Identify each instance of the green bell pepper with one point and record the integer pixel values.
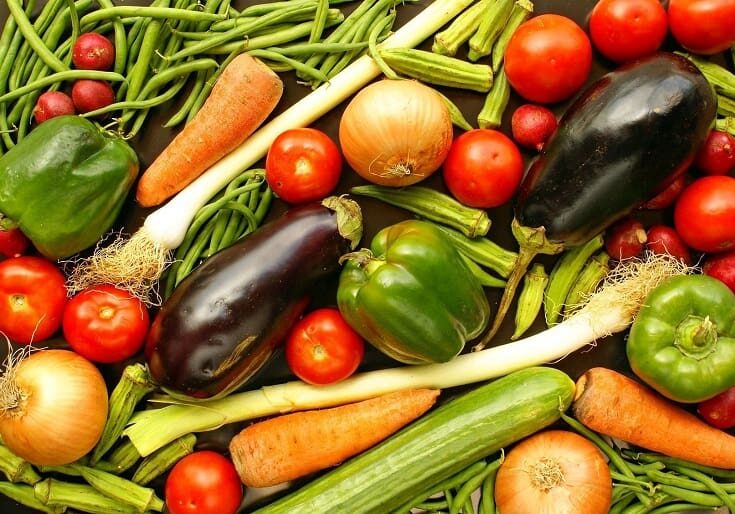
(682, 343)
(65, 184)
(411, 295)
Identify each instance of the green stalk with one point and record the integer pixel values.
(491, 114)
(52, 492)
(482, 276)
(483, 251)
(491, 25)
(16, 469)
(587, 282)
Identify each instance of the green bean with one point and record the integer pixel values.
(297, 65)
(33, 39)
(717, 489)
(5, 130)
(219, 221)
(194, 254)
(139, 72)
(74, 16)
(320, 19)
(433, 505)
(25, 118)
(256, 11)
(209, 82)
(61, 76)
(174, 72)
(464, 492)
(160, 13)
(677, 507)
(487, 492)
(302, 49)
(704, 499)
(620, 505)
(530, 299)
(180, 115)
(373, 46)
(449, 497)
(210, 6)
(673, 461)
(5, 46)
(47, 15)
(121, 46)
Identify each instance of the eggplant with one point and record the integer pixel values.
(625, 138)
(224, 321)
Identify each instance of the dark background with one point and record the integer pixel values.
(608, 352)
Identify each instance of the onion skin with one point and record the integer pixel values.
(396, 132)
(63, 410)
(585, 485)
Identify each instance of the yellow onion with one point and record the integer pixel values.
(395, 132)
(53, 406)
(554, 472)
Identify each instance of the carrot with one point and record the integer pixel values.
(614, 405)
(244, 95)
(294, 445)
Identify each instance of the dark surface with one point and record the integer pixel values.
(608, 352)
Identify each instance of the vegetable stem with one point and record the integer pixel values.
(16, 469)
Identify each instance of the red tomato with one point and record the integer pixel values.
(703, 26)
(719, 411)
(662, 239)
(717, 155)
(548, 58)
(203, 482)
(13, 243)
(302, 165)
(483, 168)
(32, 298)
(323, 349)
(704, 215)
(105, 324)
(623, 30)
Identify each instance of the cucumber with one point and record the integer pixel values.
(438, 445)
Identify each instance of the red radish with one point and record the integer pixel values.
(719, 411)
(625, 239)
(722, 267)
(663, 239)
(89, 95)
(51, 104)
(93, 51)
(13, 243)
(717, 155)
(668, 196)
(532, 125)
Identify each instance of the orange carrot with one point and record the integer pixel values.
(614, 405)
(244, 95)
(294, 445)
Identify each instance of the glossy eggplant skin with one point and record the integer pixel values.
(627, 136)
(226, 319)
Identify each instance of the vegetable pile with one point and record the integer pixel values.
(451, 256)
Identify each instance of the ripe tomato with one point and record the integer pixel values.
(548, 58)
(623, 30)
(704, 215)
(302, 165)
(32, 298)
(703, 26)
(483, 168)
(717, 154)
(203, 482)
(105, 324)
(322, 348)
(719, 411)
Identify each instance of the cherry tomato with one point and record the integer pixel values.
(662, 239)
(623, 30)
(548, 58)
(625, 239)
(105, 324)
(322, 348)
(719, 411)
(717, 155)
(722, 267)
(302, 165)
(32, 298)
(704, 215)
(703, 26)
(483, 168)
(668, 196)
(203, 482)
(13, 243)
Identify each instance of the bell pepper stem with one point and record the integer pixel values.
(696, 337)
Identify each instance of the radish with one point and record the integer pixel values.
(722, 267)
(664, 239)
(89, 95)
(717, 155)
(93, 51)
(532, 125)
(625, 239)
(51, 104)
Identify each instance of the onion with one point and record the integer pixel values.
(395, 132)
(554, 472)
(53, 406)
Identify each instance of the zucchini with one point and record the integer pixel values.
(437, 446)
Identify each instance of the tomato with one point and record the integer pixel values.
(548, 58)
(703, 26)
(719, 411)
(717, 154)
(13, 243)
(32, 298)
(704, 215)
(322, 348)
(203, 482)
(623, 30)
(483, 168)
(302, 165)
(105, 324)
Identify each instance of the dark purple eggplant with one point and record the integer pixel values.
(226, 319)
(622, 140)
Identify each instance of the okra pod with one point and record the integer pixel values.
(491, 25)
(586, 284)
(565, 272)
(482, 276)
(16, 469)
(25, 495)
(440, 70)
(120, 459)
(160, 461)
(458, 119)
(65, 469)
(52, 492)
(491, 114)
(141, 498)
(522, 10)
(483, 251)
(432, 205)
(134, 384)
(530, 299)
(725, 106)
(448, 41)
(726, 124)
